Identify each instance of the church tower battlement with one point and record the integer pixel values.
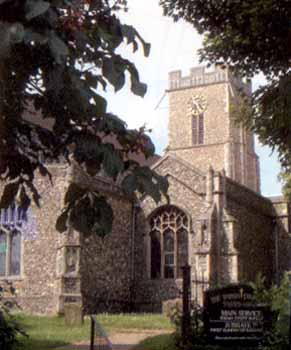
(199, 76)
(202, 127)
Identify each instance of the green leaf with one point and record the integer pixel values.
(58, 48)
(74, 192)
(129, 184)
(35, 195)
(9, 194)
(112, 161)
(35, 8)
(146, 185)
(150, 183)
(23, 200)
(113, 69)
(131, 34)
(92, 215)
(100, 103)
(103, 225)
(87, 147)
(137, 87)
(147, 49)
(149, 147)
(115, 124)
(162, 183)
(91, 79)
(62, 221)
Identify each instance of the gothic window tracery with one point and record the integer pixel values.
(169, 242)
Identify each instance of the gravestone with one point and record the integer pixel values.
(73, 315)
(233, 315)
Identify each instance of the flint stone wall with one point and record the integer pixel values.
(106, 264)
(257, 225)
(36, 287)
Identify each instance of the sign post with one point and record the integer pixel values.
(186, 300)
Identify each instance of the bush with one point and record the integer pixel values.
(277, 298)
(10, 329)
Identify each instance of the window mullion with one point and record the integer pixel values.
(162, 251)
(175, 249)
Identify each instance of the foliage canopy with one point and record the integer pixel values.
(55, 58)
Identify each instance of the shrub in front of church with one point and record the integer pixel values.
(10, 329)
(277, 298)
(195, 337)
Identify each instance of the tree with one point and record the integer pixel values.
(55, 57)
(250, 36)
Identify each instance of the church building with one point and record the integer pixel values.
(216, 221)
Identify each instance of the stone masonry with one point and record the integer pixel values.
(226, 145)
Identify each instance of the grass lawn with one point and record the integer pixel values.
(50, 332)
(160, 342)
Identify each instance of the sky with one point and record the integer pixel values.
(173, 47)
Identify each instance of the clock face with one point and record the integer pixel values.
(196, 105)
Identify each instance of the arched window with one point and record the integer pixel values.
(169, 242)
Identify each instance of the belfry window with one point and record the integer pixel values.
(169, 242)
(198, 129)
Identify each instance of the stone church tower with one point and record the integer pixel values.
(202, 128)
